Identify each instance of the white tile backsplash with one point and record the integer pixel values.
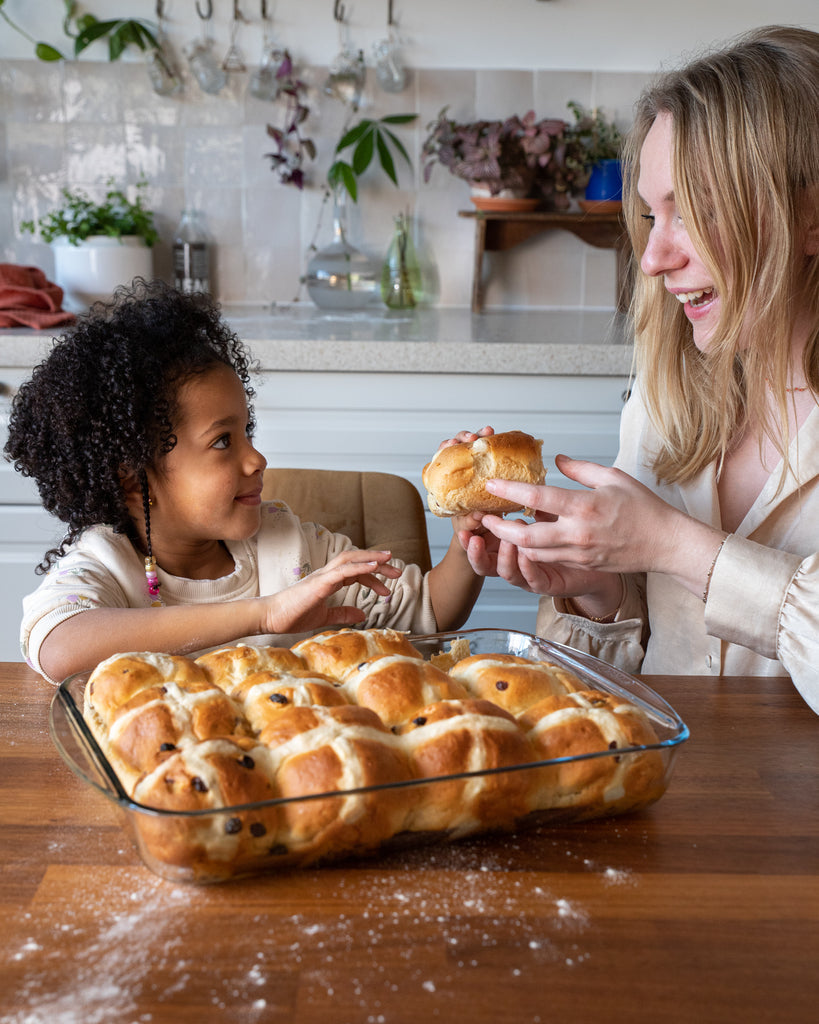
(82, 123)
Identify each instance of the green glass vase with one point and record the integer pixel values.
(401, 274)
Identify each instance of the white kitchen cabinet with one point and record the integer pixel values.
(26, 532)
(390, 422)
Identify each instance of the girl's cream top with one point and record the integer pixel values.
(103, 570)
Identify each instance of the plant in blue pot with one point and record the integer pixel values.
(600, 141)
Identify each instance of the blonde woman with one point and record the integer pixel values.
(699, 552)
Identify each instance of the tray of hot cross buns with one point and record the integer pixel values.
(356, 742)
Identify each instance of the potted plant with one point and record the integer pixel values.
(600, 141)
(520, 162)
(97, 245)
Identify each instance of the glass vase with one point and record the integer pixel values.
(341, 276)
(401, 273)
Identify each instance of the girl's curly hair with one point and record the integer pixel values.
(104, 401)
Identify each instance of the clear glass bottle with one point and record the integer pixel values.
(341, 276)
(191, 254)
(401, 273)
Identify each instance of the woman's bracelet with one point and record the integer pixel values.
(710, 572)
(573, 609)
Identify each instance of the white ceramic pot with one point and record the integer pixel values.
(89, 272)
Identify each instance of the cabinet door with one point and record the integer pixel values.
(26, 531)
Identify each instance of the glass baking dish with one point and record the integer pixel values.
(227, 842)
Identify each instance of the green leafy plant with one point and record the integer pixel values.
(597, 137)
(85, 29)
(368, 138)
(80, 217)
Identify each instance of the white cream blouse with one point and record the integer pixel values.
(762, 613)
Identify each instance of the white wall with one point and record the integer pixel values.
(636, 35)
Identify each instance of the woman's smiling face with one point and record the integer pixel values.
(670, 253)
(208, 487)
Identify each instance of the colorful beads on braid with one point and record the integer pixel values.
(150, 561)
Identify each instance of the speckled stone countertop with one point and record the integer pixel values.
(296, 337)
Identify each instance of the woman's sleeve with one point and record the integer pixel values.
(768, 600)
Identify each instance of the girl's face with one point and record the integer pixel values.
(208, 487)
(670, 253)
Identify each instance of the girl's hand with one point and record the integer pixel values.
(303, 606)
(490, 556)
(466, 437)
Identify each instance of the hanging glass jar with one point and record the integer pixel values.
(341, 276)
(401, 273)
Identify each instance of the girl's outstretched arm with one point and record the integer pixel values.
(79, 643)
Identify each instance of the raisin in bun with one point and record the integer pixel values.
(512, 682)
(396, 687)
(586, 722)
(456, 476)
(456, 736)
(337, 653)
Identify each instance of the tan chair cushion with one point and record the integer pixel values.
(381, 511)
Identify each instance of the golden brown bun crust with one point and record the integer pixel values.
(585, 722)
(512, 682)
(229, 666)
(339, 652)
(455, 477)
(396, 687)
(331, 749)
(454, 736)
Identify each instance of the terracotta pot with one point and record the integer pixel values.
(505, 201)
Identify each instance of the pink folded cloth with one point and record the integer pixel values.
(29, 299)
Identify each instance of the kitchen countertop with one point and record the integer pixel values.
(451, 340)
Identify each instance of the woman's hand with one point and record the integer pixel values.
(581, 537)
(303, 606)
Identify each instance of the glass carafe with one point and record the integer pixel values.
(341, 276)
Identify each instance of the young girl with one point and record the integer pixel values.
(699, 552)
(138, 431)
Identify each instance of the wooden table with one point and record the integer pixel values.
(497, 231)
(703, 908)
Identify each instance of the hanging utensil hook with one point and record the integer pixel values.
(208, 8)
(339, 11)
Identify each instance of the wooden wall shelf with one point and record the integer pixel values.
(496, 231)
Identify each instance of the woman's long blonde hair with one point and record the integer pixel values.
(746, 184)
